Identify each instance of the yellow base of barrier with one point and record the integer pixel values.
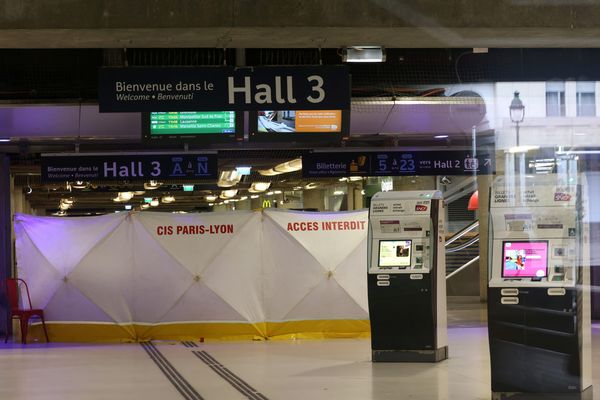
(116, 333)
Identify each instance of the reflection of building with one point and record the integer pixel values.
(565, 113)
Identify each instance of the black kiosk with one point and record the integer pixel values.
(538, 290)
(406, 277)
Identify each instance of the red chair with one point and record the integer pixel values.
(24, 314)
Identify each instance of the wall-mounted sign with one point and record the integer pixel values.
(128, 167)
(134, 89)
(397, 163)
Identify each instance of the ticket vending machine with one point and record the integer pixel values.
(538, 291)
(406, 277)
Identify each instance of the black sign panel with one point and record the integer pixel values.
(129, 167)
(135, 89)
(396, 163)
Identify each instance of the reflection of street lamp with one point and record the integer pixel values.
(517, 112)
(517, 115)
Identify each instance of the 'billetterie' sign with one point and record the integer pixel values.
(138, 89)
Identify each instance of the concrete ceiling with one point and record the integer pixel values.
(300, 23)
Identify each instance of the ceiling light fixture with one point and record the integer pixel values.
(522, 149)
(258, 187)
(168, 199)
(152, 185)
(80, 185)
(363, 54)
(227, 194)
(229, 178)
(123, 196)
(283, 168)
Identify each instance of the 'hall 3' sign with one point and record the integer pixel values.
(138, 89)
(129, 167)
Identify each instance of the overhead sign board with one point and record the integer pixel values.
(396, 163)
(137, 89)
(128, 167)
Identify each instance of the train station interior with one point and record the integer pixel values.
(359, 199)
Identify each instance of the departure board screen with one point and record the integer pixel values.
(192, 126)
(192, 122)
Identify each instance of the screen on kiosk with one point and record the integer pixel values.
(394, 253)
(527, 259)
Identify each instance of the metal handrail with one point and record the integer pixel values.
(462, 232)
(463, 246)
(456, 271)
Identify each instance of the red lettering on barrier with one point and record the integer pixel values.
(164, 230)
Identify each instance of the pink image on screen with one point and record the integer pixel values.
(525, 259)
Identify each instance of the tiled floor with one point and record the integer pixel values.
(320, 369)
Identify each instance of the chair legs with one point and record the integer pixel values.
(24, 320)
(44, 326)
(24, 324)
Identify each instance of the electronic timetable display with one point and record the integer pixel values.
(394, 253)
(191, 125)
(525, 259)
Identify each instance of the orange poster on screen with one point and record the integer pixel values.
(318, 121)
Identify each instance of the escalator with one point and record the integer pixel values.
(462, 261)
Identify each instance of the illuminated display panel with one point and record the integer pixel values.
(394, 253)
(191, 125)
(525, 259)
(299, 125)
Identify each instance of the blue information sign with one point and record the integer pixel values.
(128, 167)
(396, 163)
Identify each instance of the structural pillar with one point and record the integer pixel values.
(5, 240)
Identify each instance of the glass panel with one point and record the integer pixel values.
(586, 104)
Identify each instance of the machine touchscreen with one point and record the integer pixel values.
(394, 253)
(525, 259)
